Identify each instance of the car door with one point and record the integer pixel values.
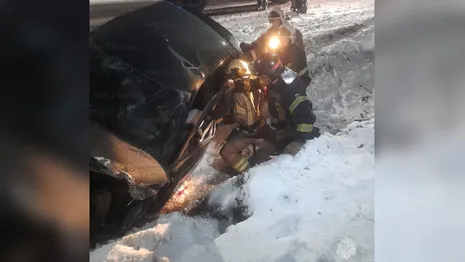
(198, 140)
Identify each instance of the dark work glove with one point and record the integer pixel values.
(245, 47)
(228, 120)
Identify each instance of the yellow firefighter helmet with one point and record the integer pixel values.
(237, 67)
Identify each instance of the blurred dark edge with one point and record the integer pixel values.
(44, 114)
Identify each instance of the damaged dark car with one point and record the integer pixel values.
(156, 77)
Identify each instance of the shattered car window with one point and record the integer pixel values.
(164, 40)
(138, 110)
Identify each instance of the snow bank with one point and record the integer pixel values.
(317, 206)
(172, 238)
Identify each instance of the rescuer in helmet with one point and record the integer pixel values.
(277, 19)
(288, 103)
(299, 6)
(292, 55)
(283, 39)
(245, 97)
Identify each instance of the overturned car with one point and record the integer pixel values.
(156, 78)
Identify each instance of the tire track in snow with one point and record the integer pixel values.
(342, 71)
(327, 38)
(343, 83)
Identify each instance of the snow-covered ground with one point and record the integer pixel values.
(317, 206)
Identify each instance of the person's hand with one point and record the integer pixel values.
(244, 47)
(230, 83)
(226, 120)
(271, 121)
(293, 148)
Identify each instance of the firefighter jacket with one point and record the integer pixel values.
(259, 46)
(299, 39)
(245, 97)
(289, 103)
(295, 59)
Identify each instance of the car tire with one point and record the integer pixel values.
(199, 5)
(203, 5)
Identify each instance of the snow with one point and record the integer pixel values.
(173, 236)
(311, 207)
(316, 206)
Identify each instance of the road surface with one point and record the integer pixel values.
(104, 11)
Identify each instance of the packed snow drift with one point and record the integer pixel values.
(316, 206)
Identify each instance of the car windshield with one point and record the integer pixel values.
(159, 36)
(142, 77)
(146, 115)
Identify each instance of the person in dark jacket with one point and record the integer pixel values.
(293, 55)
(245, 96)
(288, 103)
(299, 6)
(277, 20)
(289, 45)
(261, 5)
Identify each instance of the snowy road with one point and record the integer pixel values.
(317, 206)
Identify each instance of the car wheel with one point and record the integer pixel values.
(197, 4)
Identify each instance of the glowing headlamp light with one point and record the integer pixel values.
(274, 42)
